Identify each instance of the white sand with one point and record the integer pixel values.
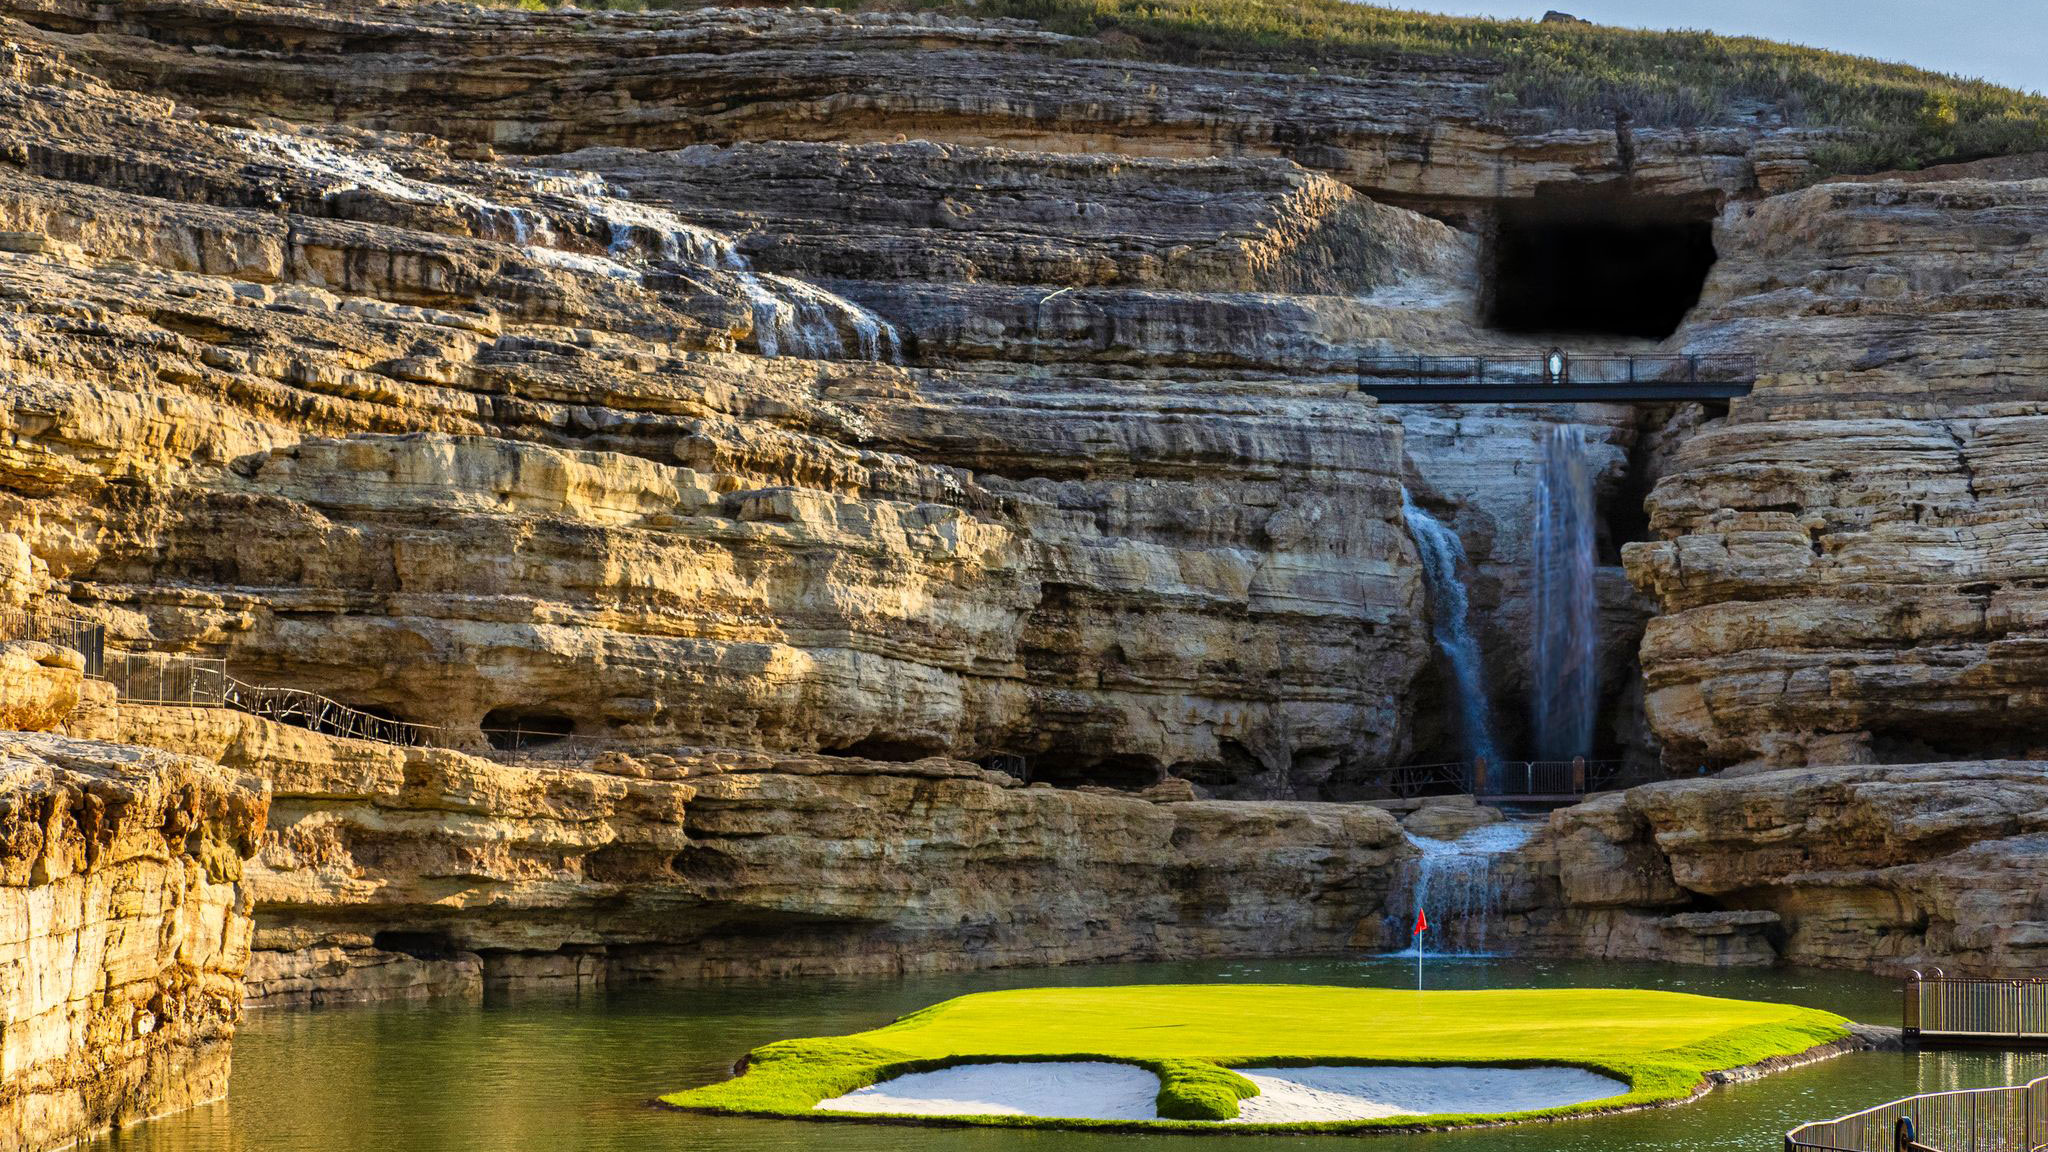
(1337, 1092)
(1100, 1090)
(1074, 1090)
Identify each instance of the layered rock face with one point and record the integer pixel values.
(1419, 130)
(124, 933)
(403, 872)
(485, 446)
(1873, 867)
(1847, 567)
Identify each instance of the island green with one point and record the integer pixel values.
(1661, 1044)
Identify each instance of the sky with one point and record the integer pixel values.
(2004, 41)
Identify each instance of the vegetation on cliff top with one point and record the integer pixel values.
(1661, 1043)
(1569, 74)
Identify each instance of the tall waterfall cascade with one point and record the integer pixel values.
(1456, 885)
(1443, 554)
(1564, 667)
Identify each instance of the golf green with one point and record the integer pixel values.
(1661, 1044)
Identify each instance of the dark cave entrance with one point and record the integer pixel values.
(1592, 263)
(510, 729)
(1128, 772)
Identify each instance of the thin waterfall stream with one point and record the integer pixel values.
(1443, 554)
(1564, 672)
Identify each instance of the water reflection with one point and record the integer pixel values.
(569, 1075)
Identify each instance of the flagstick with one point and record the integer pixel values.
(1418, 961)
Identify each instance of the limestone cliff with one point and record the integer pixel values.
(124, 933)
(793, 408)
(399, 872)
(476, 444)
(1884, 868)
(1846, 568)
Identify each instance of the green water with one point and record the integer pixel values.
(566, 1075)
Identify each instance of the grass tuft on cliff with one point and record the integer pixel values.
(1892, 116)
(1662, 1044)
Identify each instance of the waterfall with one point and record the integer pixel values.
(1456, 886)
(1564, 669)
(791, 317)
(1442, 555)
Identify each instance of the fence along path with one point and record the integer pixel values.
(203, 682)
(2011, 1118)
(1967, 1010)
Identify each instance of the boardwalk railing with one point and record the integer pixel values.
(81, 636)
(1962, 1010)
(1506, 780)
(1555, 376)
(2013, 1118)
(203, 682)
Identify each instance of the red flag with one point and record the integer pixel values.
(1421, 923)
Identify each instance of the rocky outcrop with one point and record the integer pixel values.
(39, 685)
(1884, 868)
(1845, 567)
(124, 931)
(275, 394)
(405, 872)
(1417, 129)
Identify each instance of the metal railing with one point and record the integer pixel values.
(1556, 374)
(1967, 1010)
(2010, 1118)
(157, 678)
(84, 637)
(1505, 780)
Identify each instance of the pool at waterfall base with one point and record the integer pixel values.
(545, 1074)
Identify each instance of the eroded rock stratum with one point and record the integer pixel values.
(812, 413)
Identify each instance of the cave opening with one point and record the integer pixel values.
(422, 945)
(886, 749)
(1580, 262)
(510, 729)
(1129, 772)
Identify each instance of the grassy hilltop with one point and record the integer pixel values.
(1892, 115)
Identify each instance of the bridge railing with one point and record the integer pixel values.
(1968, 1010)
(2010, 1118)
(1505, 779)
(1562, 368)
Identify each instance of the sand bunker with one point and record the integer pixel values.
(1337, 1092)
(1100, 1090)
(1069, 1090)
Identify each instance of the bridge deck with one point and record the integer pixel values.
(1558, 378)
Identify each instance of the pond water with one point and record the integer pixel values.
(575, 1074)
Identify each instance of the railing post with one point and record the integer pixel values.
(1578, 775)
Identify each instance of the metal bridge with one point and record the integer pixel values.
(1945, 1010)
(1556, 377)
(1507, 782)
(1942, 1009)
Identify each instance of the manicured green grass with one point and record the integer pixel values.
(1660, 1043)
